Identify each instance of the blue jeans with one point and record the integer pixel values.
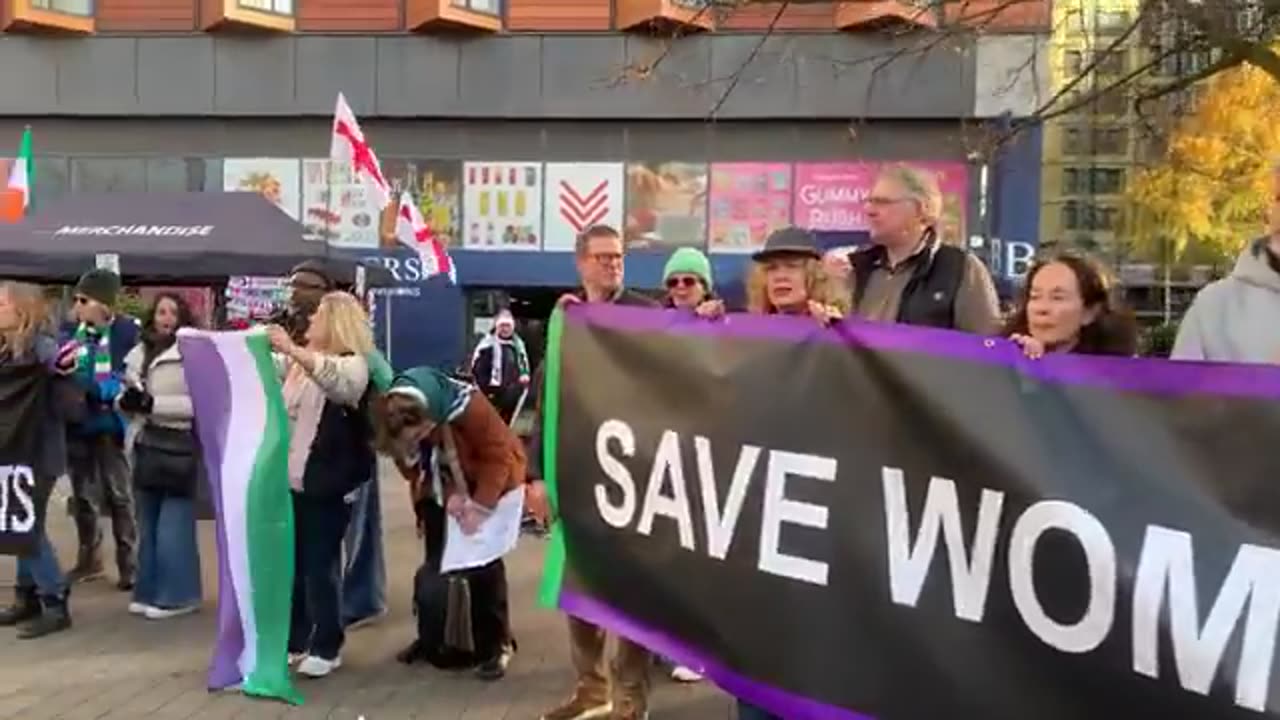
(747, 711)
(168, 554)
(364, 579)
(41, 571)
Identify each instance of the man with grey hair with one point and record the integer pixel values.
(908, 275)
(1237, 318)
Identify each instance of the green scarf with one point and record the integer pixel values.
(95, 360)
(444, 397)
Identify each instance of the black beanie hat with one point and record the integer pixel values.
(317, 268)
(99, 284)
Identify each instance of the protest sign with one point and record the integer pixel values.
(875, 521)
(24, 402)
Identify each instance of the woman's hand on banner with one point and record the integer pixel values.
(1031, 347)
(825, 314)
(566, 300)
(710, 309)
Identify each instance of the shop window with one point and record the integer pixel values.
(179, 174)
(98, 175)
(53, 180)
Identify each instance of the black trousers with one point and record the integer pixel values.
(319, 525)
(490, 617)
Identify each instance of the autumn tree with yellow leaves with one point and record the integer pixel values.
(1210, 194)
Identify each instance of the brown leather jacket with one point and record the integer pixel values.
(491, 457)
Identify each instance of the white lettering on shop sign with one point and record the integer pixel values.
(617, 500)
(1165, 571)
(408, 270)
(17, 506)
(138, 230)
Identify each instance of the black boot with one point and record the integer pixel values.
(88, 565)
(55, 616)
(26, 606)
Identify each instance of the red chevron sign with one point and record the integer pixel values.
(582, 211)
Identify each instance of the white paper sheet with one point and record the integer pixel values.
(496, 537)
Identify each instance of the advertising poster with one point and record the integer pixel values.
(666, 205)
(833, 196)
(335, 207)
(254, 299)
(502, 205)
(277, 179)
(436, 185)
(748, 201)
(579, 195)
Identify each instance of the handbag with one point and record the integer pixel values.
(166, 460)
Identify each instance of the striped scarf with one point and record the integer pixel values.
(100, 362)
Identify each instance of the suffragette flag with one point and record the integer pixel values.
(244, 434)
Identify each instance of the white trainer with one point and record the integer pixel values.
(318, 667)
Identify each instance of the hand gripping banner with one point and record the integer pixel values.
(876, 521)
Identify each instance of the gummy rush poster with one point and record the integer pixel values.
(833, 196)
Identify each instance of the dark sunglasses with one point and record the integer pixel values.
(676, 282)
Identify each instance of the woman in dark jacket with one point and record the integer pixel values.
(41, 590)
(1067, 307)
(460, 459)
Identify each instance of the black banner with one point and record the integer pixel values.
(24, 400)
(897, 523)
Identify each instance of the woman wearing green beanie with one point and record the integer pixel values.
(687, 276)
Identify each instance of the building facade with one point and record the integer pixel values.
(514, 122)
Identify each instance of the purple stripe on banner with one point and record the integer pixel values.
(775, 700)
(211, 394)
(1123, 374)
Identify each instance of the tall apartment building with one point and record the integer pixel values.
(1089, 155)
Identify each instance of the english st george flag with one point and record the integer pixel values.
(348, 145)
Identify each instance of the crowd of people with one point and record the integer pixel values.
(123, 430)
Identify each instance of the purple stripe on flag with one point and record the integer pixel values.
(211, 396)
(775, 700)
(1122, 374)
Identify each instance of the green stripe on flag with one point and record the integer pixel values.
(553, 567)
(269, 525)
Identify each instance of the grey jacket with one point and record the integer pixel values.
(1237, 318)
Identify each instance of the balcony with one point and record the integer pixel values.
(464, 15)
(248, 15)
(57, 16)
(1000, 15)
(665, 15)
(868, 14)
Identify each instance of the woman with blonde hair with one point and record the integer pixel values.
(788, 278)
(326, 384)
(41, 590)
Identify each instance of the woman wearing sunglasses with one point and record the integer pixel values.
(687, 276)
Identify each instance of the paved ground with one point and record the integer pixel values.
(112, 665)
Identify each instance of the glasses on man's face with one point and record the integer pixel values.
(683, 281)
(82, 300)
(607, 258)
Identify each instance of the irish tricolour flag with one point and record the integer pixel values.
(244, 434)
(22, 173)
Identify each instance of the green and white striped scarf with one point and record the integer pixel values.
(100, 362)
